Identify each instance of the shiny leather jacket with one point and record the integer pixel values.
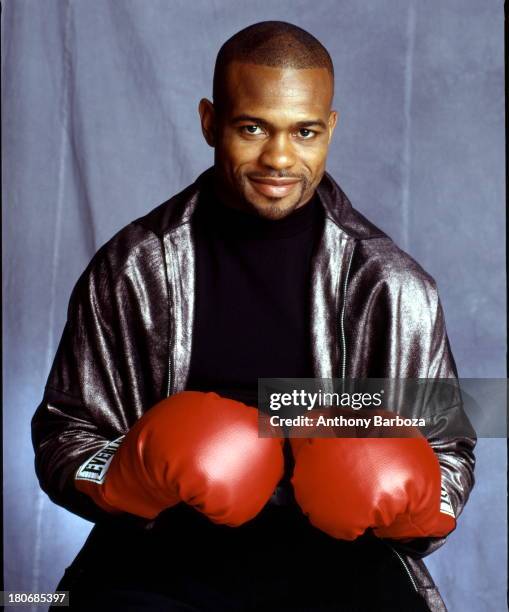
(127, 342)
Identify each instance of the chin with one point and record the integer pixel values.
(273, 209)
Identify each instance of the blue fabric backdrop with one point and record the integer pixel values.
(101, 124)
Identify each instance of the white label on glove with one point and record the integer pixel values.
(445, 503)
(94, 469)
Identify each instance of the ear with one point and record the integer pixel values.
(208, 120)
(333, 119)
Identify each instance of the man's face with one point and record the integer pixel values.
(271, 136)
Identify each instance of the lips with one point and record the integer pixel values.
(274, 188)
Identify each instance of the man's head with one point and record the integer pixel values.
(271, 120)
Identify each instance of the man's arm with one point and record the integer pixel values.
(108, 368)
(453, 441)
(62, 442)
(395, 330)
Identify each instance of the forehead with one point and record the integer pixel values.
(252, 89)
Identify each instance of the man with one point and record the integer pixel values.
(260, 269)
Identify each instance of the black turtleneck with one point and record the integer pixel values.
(252, 298)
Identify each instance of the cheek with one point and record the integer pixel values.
(314, 159)
(236, 152)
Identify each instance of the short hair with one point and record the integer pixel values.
(270, 43)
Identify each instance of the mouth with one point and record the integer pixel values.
(273, 187)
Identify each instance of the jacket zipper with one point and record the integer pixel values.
(405, 567)
(168, 386)
(170, 348)
(169, 382)
(342, 316)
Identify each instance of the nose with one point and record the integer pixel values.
(278, 153)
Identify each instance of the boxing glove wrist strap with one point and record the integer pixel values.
(445, 502)
(95, 467)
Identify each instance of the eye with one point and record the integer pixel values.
(306, 133)
(252, 130)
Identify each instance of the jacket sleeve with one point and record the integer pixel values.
(452, 437)
(101, 380)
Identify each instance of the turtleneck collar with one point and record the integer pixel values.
(236, 223)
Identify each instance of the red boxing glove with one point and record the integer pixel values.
(194, 447)
(392, 485)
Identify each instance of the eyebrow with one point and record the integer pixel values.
(260, 121)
